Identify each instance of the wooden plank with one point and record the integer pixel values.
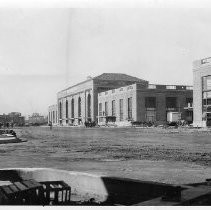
(56, 186)
(13, 188)
(27, 184)
(35, 183)
(7, 190)
(20, 186)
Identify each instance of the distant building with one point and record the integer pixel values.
(202, 92)
(120, 97)
(13, 118)
(37, 119)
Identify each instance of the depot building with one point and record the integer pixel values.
(121, 98)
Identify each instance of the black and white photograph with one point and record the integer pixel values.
(105, 103)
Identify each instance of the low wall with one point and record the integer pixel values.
(103, 189)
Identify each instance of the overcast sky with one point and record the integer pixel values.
(45, 50)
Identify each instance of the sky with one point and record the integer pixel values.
(44, 50)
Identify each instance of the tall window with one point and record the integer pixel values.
(121, 109)
(150, 102)
(53, 116)
(60, 110)
(171, 103)
(113, 107)
(129, 108)
(150, 105)
(72, 108)
(49, 116)
(189, 102)
(66, 108)
(206, 82)
(100, 109)
(79, 107)
(89, 106)
(106, 108)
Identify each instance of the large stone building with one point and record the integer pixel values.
(148, 103)
(202, 92)
(79, 103)
(133, 98)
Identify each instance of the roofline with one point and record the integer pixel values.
(138, 79)
(169, 85)
(95, 78)
(76, 85)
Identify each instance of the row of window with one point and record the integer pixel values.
(206, 99)
(72, 107)
(169, 87)
(113, 108)
(171, 102)
(52, 116)
(113, 91)
(150, 105)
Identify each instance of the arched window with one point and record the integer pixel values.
(72, 108)
(89, 106)
(60, 110)
(66, 108)
(79, 107)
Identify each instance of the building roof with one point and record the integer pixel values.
(110, 76)
(118, 76)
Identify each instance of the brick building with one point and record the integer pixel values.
(202, 92)
(145, 103)
(131, 98)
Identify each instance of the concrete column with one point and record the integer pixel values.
(197, 99)
(83, 107)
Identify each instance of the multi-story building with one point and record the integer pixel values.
(121, 98)
(79, 103)
(202, 92)
(145, 103)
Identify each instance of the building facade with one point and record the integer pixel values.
(149, 103)
(53, 114)
(79, 103)
(202, 92)
(121, 98)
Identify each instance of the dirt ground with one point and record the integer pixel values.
(165, 155)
